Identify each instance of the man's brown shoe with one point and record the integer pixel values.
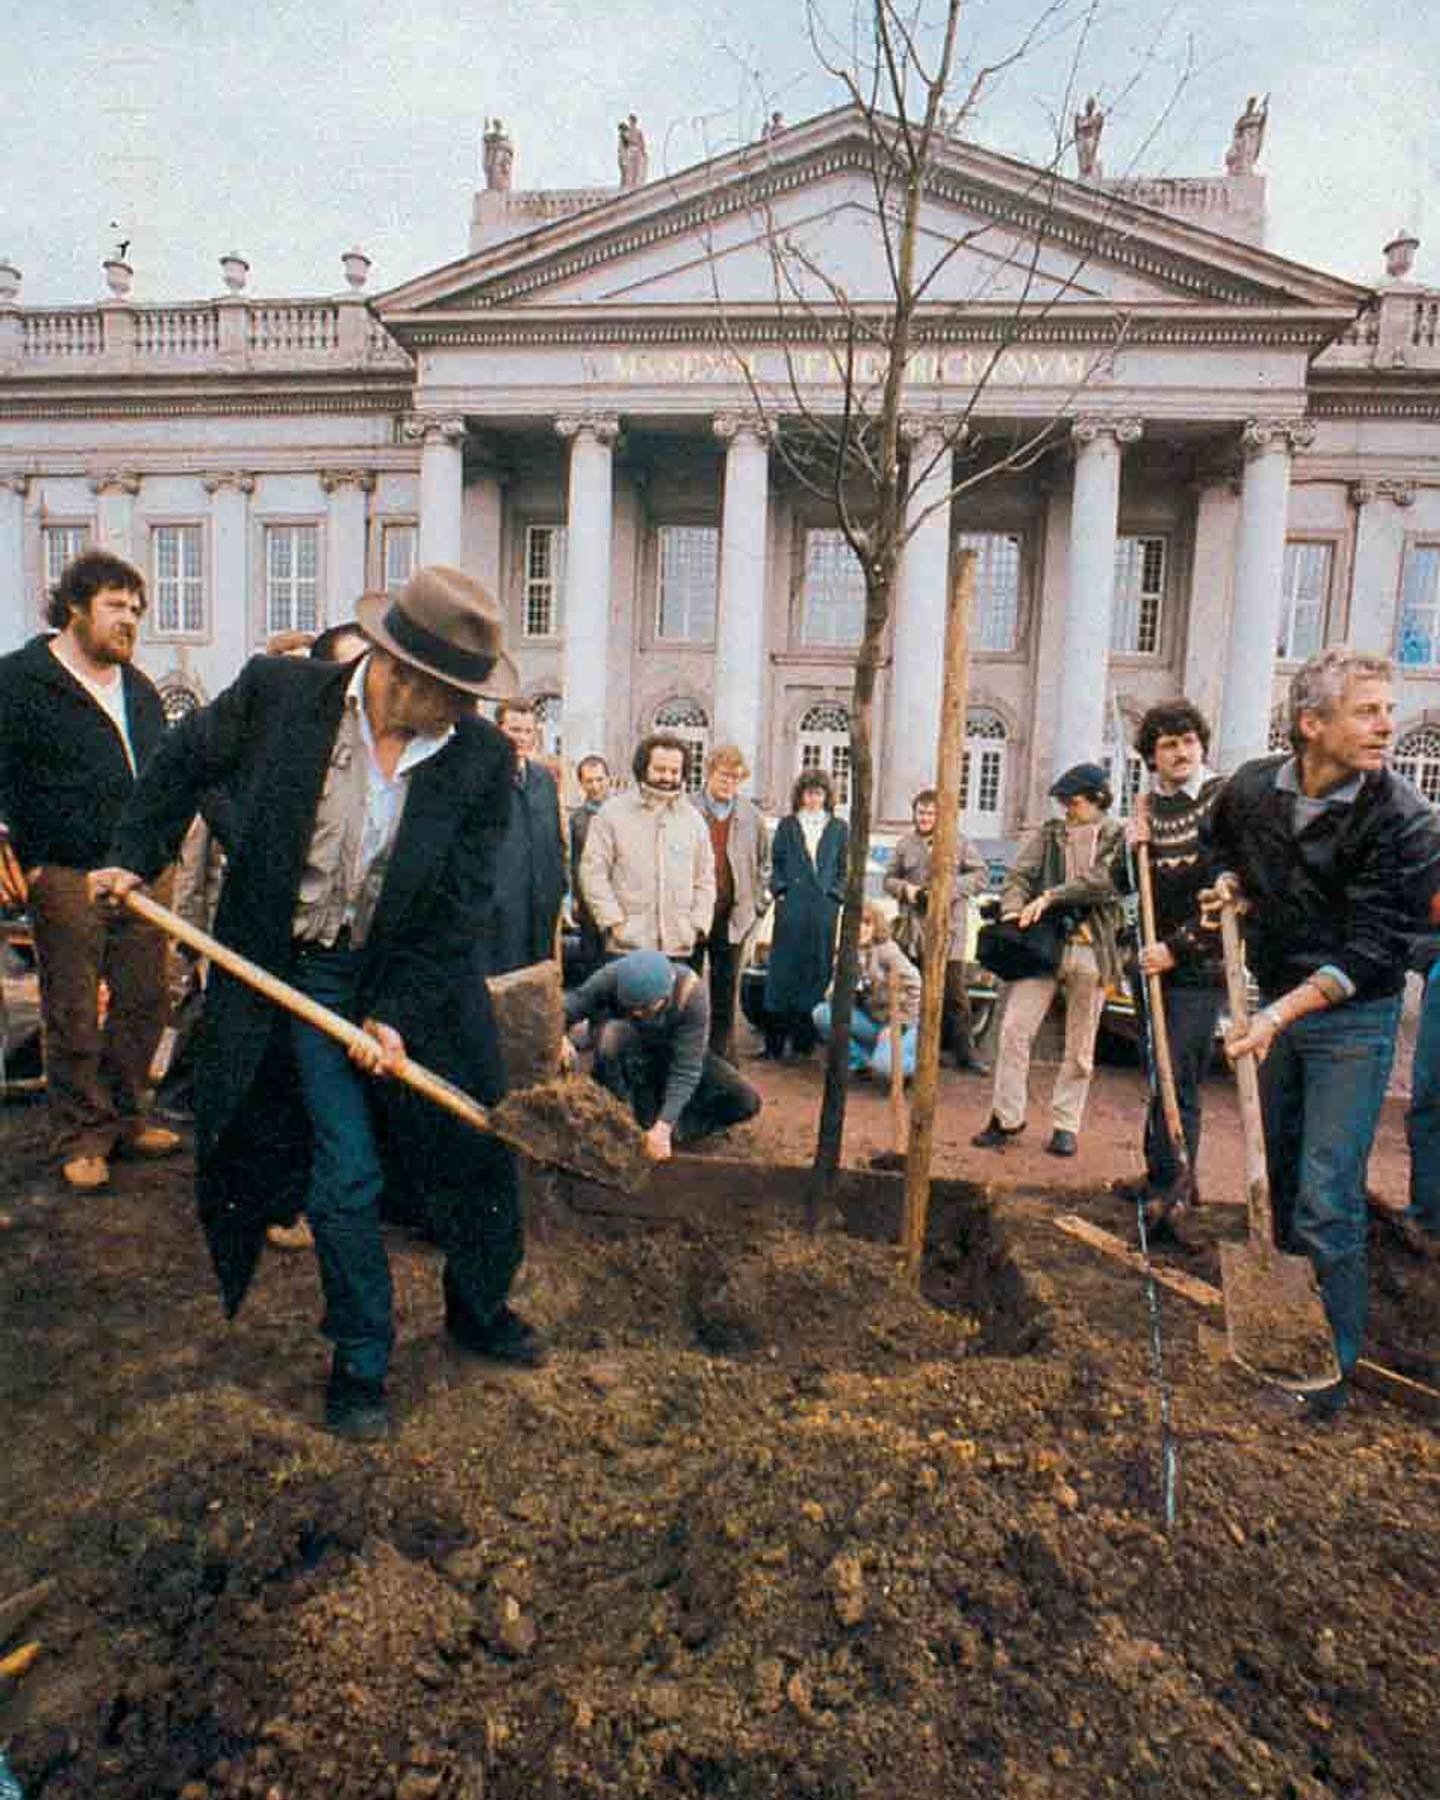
(86, 1173)
(150, 1142)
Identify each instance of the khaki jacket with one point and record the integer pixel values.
(1039, 867)
(885, 968)
(749, 864)
(647, 874)
(909, 875)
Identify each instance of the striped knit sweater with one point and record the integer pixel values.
(1179, 870)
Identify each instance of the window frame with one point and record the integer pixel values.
(1414, 544)
(556, 632)
(1016, 648)
(843, 781)
(695, 736)
(1166, 538)
(1287, 658)
(152, 629)
(975, 823)
(55, 523)
(655, 634)
(820, 649)
(264, 525)
(382, 526)
(1397, 756)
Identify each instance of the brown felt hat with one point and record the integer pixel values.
(441, 622)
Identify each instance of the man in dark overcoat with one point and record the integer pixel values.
(530, 866)
(372, 801)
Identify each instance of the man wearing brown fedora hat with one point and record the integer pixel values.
(363, 867)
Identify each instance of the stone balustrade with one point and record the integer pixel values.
(216, 335)
(1401, 330)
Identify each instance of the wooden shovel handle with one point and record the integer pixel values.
(415, 1075)
(1159, 1025)
(1247, 1084)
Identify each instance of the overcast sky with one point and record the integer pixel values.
(290, 131)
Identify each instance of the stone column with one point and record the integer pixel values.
(1259, 574)
(918, 670)
(345, 529)
(1212, 576)
(16, 614)
(115, 491)
(1090, 587)
(740, 619)
(587, 581)
(1375, 568)
(442, 484)
(234, 627)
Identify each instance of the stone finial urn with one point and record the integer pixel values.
(1400, 255)
(9, 282)
(234, 272)
(356, 265)
(119, 277)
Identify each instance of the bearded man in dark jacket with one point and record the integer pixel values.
(372, 800)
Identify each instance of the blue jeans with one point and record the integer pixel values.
(1422, 1121)
(870, 1042)
(1322, 1087)
(346, 1175)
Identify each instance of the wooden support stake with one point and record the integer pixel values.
(926, 1085)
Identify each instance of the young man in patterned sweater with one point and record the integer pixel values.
(1172, 740)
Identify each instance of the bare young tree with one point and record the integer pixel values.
(852, 370)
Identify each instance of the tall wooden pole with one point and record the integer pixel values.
(925, 1088)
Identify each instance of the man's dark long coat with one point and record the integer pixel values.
(268, 740)
(529, 876)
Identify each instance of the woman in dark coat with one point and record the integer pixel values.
(808, 881)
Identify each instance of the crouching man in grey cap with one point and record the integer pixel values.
(1063, 867)
(362, 872)
(652, 1021)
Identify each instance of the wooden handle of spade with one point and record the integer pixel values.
(1159, 1025)
(414, 1075)
(1247, 1084)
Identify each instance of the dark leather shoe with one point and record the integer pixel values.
(996, 1136)
(970, 1064)
(1322, 1406)
(1062, 1143)
(507, 1338)
(356, 1408)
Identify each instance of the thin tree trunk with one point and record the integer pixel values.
(948, 758)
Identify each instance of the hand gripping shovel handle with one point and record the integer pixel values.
(1247, 1084)
(415, 1075)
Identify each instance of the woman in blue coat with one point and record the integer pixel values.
(808, 881)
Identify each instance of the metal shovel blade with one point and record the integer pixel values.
(1274, 1318)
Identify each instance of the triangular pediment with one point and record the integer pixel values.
(795, 221)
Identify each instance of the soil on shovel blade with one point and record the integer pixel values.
(770, 1526)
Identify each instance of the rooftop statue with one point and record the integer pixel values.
(1249, 135)
(631, 154)
(497, 156)
(1088, 126)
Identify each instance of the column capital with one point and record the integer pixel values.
(1400, 491)
(219, 479)
(15, 484)
(916, 427)
(1359, 493)
(1260, 435)
(364, 479)
(730, 427)
(1090, 428)
(604, 428)
(433, 427)
(118, 481)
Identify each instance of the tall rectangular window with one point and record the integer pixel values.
(177, 581)
(61, 544)
(995, 615)
(689, 581)
(833, 601)
(1135, 617)
(544, 592)
(1305, 592)
(1418, 641)
(399, 548)
(292, 578)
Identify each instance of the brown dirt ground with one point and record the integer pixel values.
(770, 1524)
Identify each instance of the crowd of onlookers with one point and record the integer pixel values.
(652, 896)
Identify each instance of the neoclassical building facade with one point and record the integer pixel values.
(1230, 460)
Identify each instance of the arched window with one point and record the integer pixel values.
(982, 773)
(179, 696)
(1417, 757)
(690, 722)
(825, 744)
(548, 718)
